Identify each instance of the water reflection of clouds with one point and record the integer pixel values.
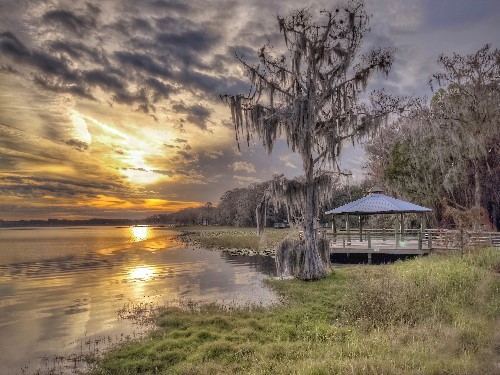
(58, 300)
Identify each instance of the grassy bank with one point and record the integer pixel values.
(433, 315)
(235, 240)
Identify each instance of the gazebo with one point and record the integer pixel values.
(405, 241)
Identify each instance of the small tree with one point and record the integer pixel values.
(309, 95)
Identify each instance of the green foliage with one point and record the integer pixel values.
(433, 315)
(400, 166)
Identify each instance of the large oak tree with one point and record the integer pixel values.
(309, 94)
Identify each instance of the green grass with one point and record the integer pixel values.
(432, 315)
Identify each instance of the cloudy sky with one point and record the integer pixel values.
(112, 109)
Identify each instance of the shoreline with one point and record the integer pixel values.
(432, 315)
(234, 240)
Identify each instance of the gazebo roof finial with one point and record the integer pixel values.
(375, 190)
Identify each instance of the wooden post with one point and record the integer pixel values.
(348, 230)
(360, 229)
(334, 229)
(369, 240)
(396, 232)
(423, 222)
(429, 241)
(369, 258)
(402, 227)
(420, 239)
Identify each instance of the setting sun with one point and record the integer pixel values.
(142, 176)
(139, 233)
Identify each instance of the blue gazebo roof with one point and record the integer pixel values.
(378, 203)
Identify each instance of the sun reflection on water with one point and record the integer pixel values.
(139, 233)
(142, 273)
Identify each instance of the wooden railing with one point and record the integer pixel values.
(456, 239)
(427, 239)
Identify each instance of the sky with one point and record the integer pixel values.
(112, 108)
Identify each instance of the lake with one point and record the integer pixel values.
(61, 288)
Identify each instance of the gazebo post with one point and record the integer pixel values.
(334, 229)
(348, 229)
(396, 232)
(402, 227)
(360, 229)
(422, 230)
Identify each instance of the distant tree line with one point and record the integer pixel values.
(237, 207)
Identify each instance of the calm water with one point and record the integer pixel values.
(61, 288)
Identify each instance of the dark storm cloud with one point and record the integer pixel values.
(35, 187)
(169, 5)
(199, 40)
(185, 43)
(104, 80)
(77, 50)
(143, 63)
(166, 51)
(211, 85)
(197, 114)
(77, 144)
(11, 46)
(160, 89)
(60, 86)
(78, 24)
(163, 172)
(130, 98)
(186, 155)
(129, 27)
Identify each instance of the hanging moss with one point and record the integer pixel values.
(309, 96)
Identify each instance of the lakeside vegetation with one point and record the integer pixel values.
(431, 315)
(236, 240)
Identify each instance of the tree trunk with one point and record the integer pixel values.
(310, 266)
(477, 187)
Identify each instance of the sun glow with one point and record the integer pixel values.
(142, 176)
(80, 128)
(139, 233)
(142, 273)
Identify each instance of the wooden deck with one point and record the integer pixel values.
(410, 242)
(409, 247)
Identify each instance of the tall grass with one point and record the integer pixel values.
(231, 238)
(434, 315)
